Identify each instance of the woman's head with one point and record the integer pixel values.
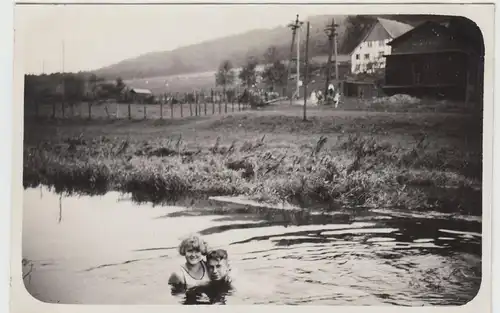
(193, 248)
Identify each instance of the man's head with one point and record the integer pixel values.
(217, 264)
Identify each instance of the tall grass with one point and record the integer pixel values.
(336, 168)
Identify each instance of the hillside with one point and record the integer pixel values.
(206, 56)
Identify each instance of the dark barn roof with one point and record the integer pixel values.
(467, 38)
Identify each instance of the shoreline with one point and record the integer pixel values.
(388, 160)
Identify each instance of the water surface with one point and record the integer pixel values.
(109, 250)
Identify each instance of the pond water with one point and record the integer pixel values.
(110, 250)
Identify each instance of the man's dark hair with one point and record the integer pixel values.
(218, 255)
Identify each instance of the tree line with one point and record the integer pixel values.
(71, 88)
(273, 75)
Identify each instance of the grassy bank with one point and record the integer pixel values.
(336, 159)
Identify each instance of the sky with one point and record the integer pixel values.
(93, 36)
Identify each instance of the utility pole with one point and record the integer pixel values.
(63, 80)
(336, 62)
(331, 33)
(306, 80)
(298, 62)
(335, 52)
(293, 26)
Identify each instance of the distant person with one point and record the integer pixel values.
(193, 273)
(319, 94)
(336, 98)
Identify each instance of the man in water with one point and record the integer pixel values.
(221, 276)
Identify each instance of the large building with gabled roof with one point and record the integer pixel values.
(369, 53)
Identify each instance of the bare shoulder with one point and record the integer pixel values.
(176, 278)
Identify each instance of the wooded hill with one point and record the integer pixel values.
(206, 56)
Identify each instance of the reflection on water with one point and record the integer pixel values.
(217, 292)
(108, 250)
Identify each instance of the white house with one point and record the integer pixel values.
(369, 53)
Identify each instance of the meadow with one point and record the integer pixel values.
(337, 159)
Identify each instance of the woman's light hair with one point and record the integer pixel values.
(193, 242)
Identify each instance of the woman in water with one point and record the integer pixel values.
(193, 273)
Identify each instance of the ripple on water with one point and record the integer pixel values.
(380, 258)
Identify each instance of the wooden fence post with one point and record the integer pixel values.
(144, 105)
(182, 106)
(239, 101)
(212, 100)
(195, 96)
(162, 100)
(232, 100)
(171, 106)
(220, 102)
(129, 111)
(198, 104)
(224, 96)
(204, 103)
(107, 111)
(190, 105)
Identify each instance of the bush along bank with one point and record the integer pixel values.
(357, 171)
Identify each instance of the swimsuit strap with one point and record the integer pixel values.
(189, 278)
(184, 272)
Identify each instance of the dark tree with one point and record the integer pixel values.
(275, 74)
(271, 55)
(225, 75)
(74, 87)
(248, 74)
(119, 84)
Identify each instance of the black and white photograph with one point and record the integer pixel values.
(251, 154)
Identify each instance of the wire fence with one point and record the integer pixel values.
(162, 107)
(135, 111)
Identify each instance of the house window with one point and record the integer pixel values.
(369, 44)
(357, 56)
(357, 68)
(367, 56)
(381, 54)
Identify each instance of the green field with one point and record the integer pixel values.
(336, 159)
